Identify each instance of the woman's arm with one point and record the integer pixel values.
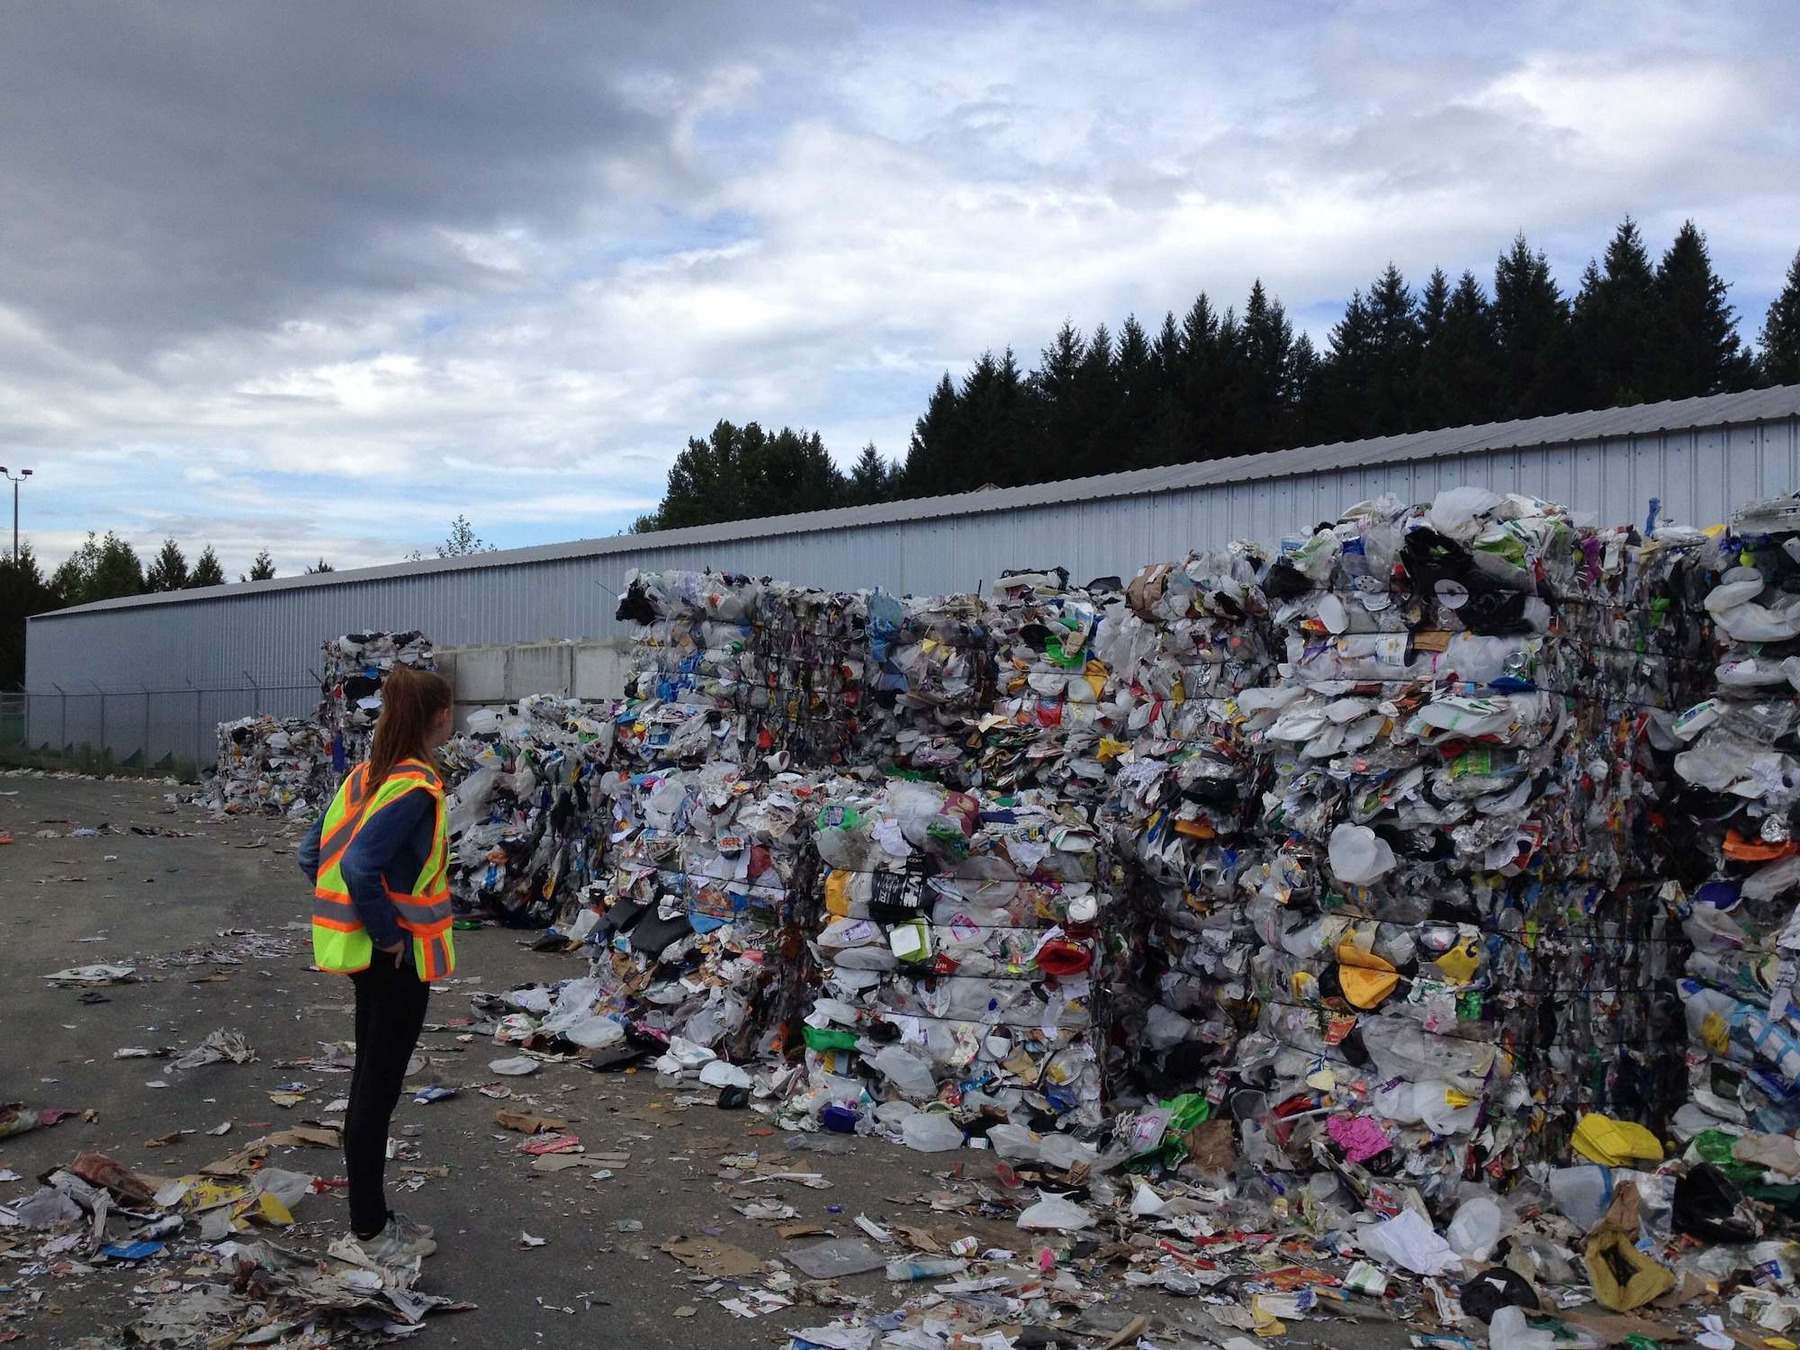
(382, 836)
(308, 856)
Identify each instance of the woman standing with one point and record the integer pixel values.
(381, 915)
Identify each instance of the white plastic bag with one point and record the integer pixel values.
(910, 1076)
(929, 1132)
(1508, 1331)
(1408, 1241)
(1359, 856)
(1055, 1214)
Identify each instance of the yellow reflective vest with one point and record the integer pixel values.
(340, 943)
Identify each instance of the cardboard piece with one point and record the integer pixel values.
(557, 1162)
(307, 1136)
(239, 1164)
(715, 1259)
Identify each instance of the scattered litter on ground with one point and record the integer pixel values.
(218, 1048)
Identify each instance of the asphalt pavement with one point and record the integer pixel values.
(212, 915)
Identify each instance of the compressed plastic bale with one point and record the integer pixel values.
(353, 669)
(526, 808)
(271, 767)
(1213, 814)
(1736, 729)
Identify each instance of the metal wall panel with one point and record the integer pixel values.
(240, 648)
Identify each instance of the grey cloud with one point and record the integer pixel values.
(177, 167)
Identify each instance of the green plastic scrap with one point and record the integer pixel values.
(1714, 1146)
(1053, 649)
(827, 1038)
(1186, 1112)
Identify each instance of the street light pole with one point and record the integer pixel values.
(22, 475)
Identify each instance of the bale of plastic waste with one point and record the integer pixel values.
(355, 666)
(271, 767)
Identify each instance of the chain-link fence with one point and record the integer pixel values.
(160, 732)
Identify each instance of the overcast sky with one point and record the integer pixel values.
(321, 276)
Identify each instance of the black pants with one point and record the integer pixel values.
(390, 1010)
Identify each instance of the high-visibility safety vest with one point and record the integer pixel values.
(340, 942)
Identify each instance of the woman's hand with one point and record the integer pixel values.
(395, 951)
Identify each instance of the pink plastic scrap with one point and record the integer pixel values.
(1359, 1136)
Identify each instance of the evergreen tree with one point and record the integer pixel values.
(705, 480)
(262, 567)
(1532, 321)
(993, 441)
(1612, 324)
(1057, 386)
(1209, 340)
(103, 568)
(870, 480)
(743, 473)
(1266, 342)
(23, 592)
(1430, 398)
(170, 570)
(931, 455)
(1350, 369)
(1459, 356)
(1695, 348)
(788, 472)
(207, 570)
(319, 568)
(1168, 437)
(1433, 307)
(1198, 416)
(1139, 385)
(1394, 329)
(1098, 410)
(1226, 387)
(1210, 385)
(1778, 360)
(1306, 394)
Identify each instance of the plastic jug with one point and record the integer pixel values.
(1475, 1230)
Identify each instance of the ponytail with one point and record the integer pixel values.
(409, 700)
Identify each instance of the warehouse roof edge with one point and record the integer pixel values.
(1758, 405)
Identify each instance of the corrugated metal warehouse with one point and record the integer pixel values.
(174, 665)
